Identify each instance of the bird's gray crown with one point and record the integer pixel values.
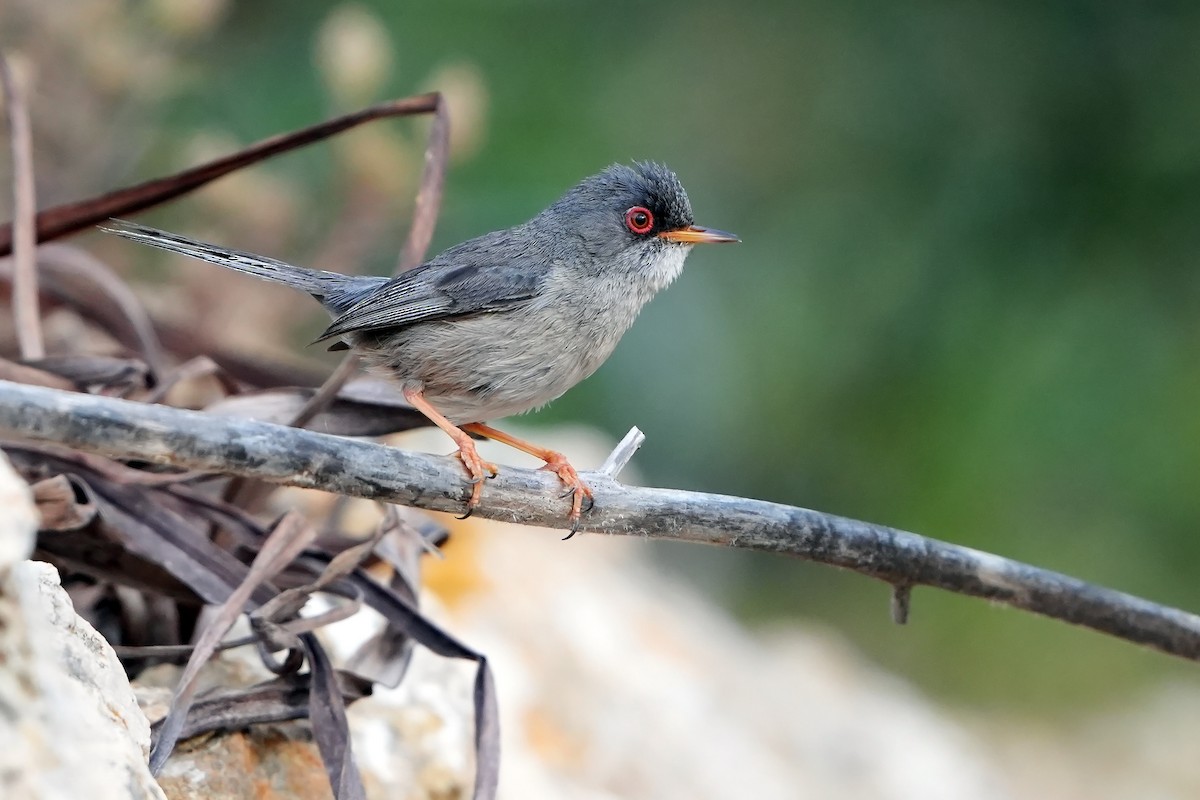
(620, 187)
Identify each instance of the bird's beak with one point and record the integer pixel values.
(694, 234)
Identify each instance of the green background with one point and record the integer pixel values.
(964, 305)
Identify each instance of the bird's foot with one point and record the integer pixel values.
(577, 490)
(478, 469)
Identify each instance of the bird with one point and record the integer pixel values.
(506, 322)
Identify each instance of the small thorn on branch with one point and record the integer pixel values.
(623, 453)
(901, 603)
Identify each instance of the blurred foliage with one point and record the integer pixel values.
(965, 301)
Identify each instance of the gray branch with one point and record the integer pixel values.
(197, 441)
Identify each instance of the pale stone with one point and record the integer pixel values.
(71, 727)
(18, 517)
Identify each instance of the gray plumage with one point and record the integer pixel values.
(508, 321)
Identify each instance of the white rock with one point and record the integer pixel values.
(18, 517)
(70, 727)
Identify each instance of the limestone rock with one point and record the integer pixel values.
(71, 727)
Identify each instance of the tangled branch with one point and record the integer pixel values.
(205, 442)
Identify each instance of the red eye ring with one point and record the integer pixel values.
(639, 220)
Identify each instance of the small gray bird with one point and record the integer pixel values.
(506, 322)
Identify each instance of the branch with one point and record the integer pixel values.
(24, 240)
(197, 441)
(58, 221)
(429, 196)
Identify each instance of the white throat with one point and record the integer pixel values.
(666, 266)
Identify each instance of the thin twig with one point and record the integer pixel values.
(429, 196)
(104, 290)
(59, 221)
(352, 467)
(420, 234)
(22, 373)
(24, 243)
(328, 391)
(622, 453)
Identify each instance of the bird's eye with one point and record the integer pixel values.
(639, 220)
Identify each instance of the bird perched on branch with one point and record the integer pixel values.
(508, 321)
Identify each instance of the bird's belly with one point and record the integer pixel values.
(489, 366)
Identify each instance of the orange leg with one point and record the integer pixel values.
(556, 462)
(467, 454)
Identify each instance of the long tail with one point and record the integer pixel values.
(335, 291)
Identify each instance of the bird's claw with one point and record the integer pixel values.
(577, 490)
(574, 530)
(478, 470)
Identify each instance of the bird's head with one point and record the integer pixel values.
(633, 219)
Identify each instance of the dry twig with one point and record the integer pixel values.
(352, 467)
(420, 235)
(59, 221)
(24, 243)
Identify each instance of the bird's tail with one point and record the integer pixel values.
(335, 291)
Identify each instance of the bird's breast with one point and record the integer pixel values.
(493, 365)
(490, 365)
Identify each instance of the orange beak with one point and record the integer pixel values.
(694, 234)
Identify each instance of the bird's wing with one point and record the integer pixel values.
(439, 290)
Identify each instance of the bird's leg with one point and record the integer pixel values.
(467, 454)
(556, 462)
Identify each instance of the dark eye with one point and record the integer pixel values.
(639, 220)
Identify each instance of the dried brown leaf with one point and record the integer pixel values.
(63, 504)
(193, 368)
(327, 710)
(86, 285)
(162, 536)
(348, 415)
(404, 617)
(101, 295)
(385, 656)
(187, 342)
(91, 372)
(23, 373)
(276, 700)
(268, 619)
(289, 537)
